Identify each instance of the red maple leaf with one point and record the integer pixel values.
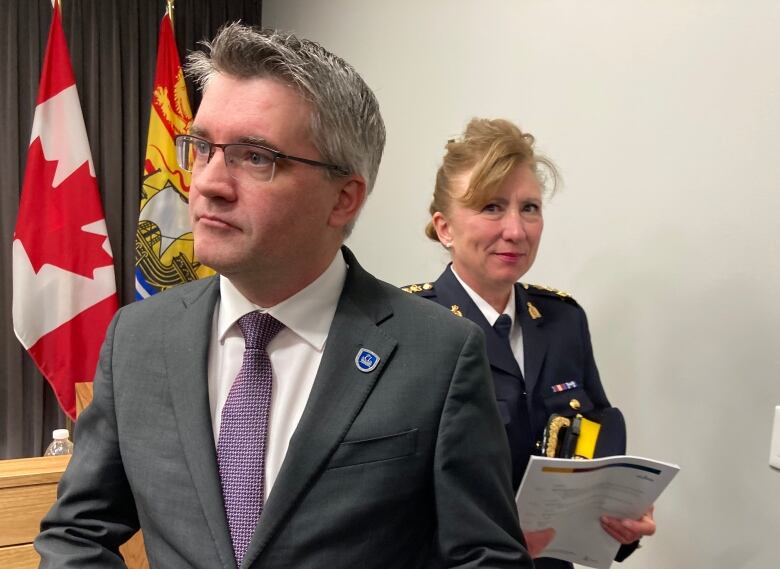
(50, 219)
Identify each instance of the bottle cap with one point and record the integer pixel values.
(60, 434)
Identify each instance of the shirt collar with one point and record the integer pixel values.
(308, 313)
(490, 313)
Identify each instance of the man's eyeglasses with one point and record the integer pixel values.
(243, 161)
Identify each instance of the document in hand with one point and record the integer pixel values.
(570, 495)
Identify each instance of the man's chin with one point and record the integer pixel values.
(219, 262)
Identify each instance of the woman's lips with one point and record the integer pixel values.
(509, 256)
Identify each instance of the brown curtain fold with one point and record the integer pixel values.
(113, 48)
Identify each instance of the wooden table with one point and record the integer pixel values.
(28, 488)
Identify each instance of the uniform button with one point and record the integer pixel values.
(574, 404)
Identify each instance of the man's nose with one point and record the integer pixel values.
(213, 179)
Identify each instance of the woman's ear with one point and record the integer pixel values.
(443, 229)
(349, 200)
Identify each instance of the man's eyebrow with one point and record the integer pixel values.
(259, 140)
(197, 131)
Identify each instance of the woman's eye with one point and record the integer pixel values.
(491, 208)
(531, 208)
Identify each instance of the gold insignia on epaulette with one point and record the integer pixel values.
(534, 312)
(560, 293)
(416, 288)
(456, 310)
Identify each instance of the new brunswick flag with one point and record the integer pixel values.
(164, 255)
(64, 289)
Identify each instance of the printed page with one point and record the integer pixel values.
(571, 495)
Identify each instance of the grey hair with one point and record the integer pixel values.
(346, 126)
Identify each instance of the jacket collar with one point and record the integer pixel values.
(449, 290)
(535, 341)
(339, 392)
(187, 339)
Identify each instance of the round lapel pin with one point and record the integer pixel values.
(366, 360)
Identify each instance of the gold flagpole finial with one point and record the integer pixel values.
(169, 9)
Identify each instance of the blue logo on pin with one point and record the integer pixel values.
(366, 360)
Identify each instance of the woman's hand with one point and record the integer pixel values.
(537, 541)
(628, 531)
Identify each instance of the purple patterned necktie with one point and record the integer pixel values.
(242, 432)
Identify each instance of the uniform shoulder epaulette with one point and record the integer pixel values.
(417, 288)
(548, 291)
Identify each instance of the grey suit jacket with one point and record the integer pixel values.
(405, 466)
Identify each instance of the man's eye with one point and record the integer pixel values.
(201, 146)
(256, 159)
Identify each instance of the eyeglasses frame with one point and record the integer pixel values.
(338, 170)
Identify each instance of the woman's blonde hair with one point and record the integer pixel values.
(491, 148)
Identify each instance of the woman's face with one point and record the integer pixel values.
(494, 246)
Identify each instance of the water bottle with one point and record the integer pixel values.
(60, 445)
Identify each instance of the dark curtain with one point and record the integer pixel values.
(113, 47)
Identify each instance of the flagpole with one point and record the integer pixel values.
(70, 425)
(169, 10)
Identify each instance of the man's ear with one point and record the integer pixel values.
(442, 227)
(349, 200)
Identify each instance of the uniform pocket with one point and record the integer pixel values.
(375, 449)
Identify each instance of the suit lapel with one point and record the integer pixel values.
(449, 289)
(186, 349)
(535, 341)
(338, 394)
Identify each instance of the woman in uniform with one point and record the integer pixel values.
(487, 212)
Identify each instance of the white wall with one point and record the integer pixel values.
(664, 117)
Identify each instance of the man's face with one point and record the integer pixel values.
(253, 231)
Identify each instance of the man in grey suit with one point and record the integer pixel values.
(359, 430)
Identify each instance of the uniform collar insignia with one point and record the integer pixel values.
(533, 311)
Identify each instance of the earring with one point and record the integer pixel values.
(448, 245)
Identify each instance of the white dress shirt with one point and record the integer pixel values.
(491, 315)
(295, 354)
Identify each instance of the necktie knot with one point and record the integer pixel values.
(503, 325)
(259, 328)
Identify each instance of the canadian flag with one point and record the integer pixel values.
(64, 289)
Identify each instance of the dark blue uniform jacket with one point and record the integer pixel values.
(558, 352)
